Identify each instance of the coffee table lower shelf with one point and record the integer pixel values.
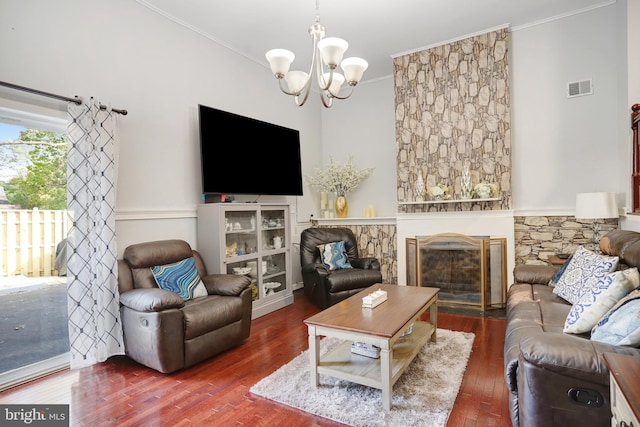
(341, 363)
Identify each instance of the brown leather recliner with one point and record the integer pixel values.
(325, 287)
(166, 333)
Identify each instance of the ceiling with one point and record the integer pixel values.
(377, 30)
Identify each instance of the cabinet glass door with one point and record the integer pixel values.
(240, 232)
(273, 229)
(273, 237)
(275, 276)
(241, 240)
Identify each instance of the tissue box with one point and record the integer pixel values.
(374, 299)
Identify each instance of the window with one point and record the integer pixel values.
(34, 336)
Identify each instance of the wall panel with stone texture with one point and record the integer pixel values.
(538, 237)
(452, 107)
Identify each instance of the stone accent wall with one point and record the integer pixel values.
(378, 241)
(452, 107)
(538, 237)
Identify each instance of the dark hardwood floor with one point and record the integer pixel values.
(120, 392)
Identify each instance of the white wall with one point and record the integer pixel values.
(363, 126)
(565, 146)
(560, 146)
(124, 54)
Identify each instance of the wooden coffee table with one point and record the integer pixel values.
(382, 326)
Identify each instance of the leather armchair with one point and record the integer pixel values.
(325, 287)
(166, 333)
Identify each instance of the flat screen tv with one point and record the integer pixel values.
(264, 158)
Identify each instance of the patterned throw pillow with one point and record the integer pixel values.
(596, 302)
(621, 324)
(334, 256)
(584, 270)
(560, 272)
(180, 277)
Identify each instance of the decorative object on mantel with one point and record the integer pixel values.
(419, 189)
(326, 51)
(485, 190)
(369, 212)
(439, 192)
(340, 179)
(342, 207)
(466, 181)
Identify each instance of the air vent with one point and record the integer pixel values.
(581, 88)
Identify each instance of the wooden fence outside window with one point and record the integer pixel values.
(29, 239)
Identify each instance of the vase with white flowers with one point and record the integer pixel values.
(340, 179)
(485, 190)
(439, 192)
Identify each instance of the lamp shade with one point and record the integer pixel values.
(353, 69)
(336, 83)
(296, 80)
(596, 206)
(280, 60)
(332, 49)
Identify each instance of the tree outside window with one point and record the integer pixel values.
(35, 165)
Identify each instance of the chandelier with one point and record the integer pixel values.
(327, 54)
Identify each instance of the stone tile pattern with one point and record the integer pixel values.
(453, 106)
(377, 240)
(538, 237)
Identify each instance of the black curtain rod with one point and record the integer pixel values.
(75, 100)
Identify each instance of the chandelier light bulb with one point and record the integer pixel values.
(336, 83)
(296, 80)
(354, 69)
(280, 60)
(332, 50)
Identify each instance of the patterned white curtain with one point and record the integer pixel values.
(95, 331)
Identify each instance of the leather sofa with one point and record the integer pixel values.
(166, 333)
(325, 287)
(556, 378)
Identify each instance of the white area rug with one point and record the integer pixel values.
(423, 396)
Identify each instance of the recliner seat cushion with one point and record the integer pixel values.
(203, 315)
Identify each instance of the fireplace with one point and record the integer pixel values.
(469, 270)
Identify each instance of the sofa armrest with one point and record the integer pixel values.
(226, 284)
(571, 356)
(534, 274)
(367, 263)
(151, 299)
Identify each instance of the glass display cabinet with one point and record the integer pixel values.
(252, 240)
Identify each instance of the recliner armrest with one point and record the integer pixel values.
(567, 355)
(150, 299)
(367, 263)
(315, 268)
(226, 284)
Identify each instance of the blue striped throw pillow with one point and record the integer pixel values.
(334, 256)
(180, 277)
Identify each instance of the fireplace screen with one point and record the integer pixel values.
(469, 270)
